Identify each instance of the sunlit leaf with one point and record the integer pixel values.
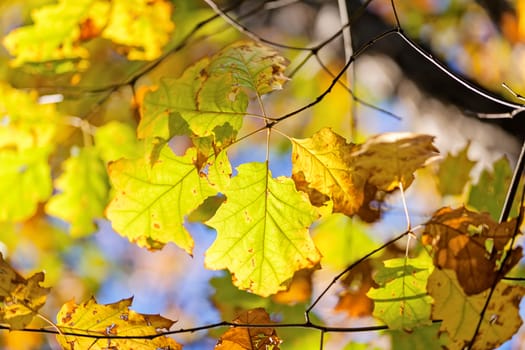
(327, 167)
(459, 239)
(488, 194)
(454, 172)
(25, 181)
(262, 235)
(257, 338)
(401, 301)
(20, 299)
(116, 140)
(34, 125)
(143, 27)
(460, 313)
(151, 202)
(423, 337)
(84, 191)
(90, 318)
(209, 96)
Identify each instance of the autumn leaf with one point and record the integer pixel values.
(59, 30)
(151, 202)
(84, 190)
(256, 338)
(423, 337)
(353, 300)
(116, 319)
(116, 140)
(209, 96)
(262, 235)
(472, 245)
(454, 172)
(25, 181)
(401, 301)
(327, 167)
(20, 299)
(460, 313)
(143, 27)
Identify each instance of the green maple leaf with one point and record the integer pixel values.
(25, 181)
(151, 201)
(402, 301)
(84, 187)
(209, 96)
(262, 235)
(461, 313)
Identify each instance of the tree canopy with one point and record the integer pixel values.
(260, 174)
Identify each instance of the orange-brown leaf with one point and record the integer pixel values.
(258, 338)
(472, 245)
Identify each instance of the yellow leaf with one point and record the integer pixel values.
(90, 318)
(20, 299)
(461, 313)
(259, 338)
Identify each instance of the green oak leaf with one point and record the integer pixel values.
(151, 201)
(454, 172)
(262, 231)
(402, 301)
(84, 186)
(25, 181)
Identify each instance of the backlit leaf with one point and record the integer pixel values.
(262, 231)
(116, 140)
(90, 318)
(488, 194)
(34, 125)
(25, 181)
(151, 202)
(459, 240)
(84, 191)
(424, 337)
(461, 313)
(354, 299)
(401, 301)
(20, 299)
(141, 27)
(258, 338)
(454, 172)
(327, 167)
(209, 95)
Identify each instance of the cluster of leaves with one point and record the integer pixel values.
(147, 187)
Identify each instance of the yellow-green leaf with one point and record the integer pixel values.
(34, 125)
(454, 173)
(460, 313)
(90, 318)
(84, 191)
(262, 231)
(142, 26)
(116, 140)
(401, 301)
(20, 299)
(25, 181)
(151, 201)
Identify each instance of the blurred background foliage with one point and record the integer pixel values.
(484, 41)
